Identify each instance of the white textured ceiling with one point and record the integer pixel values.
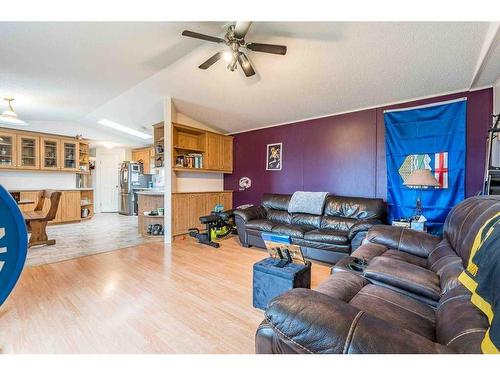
(121, 71)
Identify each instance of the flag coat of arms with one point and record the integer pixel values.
(430, 137)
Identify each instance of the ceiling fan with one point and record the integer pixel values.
(235, 39)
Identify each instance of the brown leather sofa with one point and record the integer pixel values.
(327, 237)
(406, 299)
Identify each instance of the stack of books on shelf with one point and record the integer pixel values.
(189, 161)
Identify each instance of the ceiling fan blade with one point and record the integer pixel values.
(192, 34)
(267, 48)
(207, 64)
(245, 64)
(241, 29)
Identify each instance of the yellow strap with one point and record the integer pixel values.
(487, 346)
(478, 241)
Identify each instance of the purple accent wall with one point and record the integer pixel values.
(343, 154)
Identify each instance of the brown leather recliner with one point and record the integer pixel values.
(406, 299)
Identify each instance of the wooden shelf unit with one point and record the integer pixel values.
(33, 151)
(159, 145)
(216, 150)
(84, 157)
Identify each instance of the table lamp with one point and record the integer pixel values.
(421, 178)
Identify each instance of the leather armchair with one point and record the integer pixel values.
(403, 239)
(309, 322)
(406, 299)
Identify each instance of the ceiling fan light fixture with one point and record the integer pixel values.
(9, 116)
(227, 56)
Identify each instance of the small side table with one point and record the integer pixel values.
(410, 224)
(270, 281)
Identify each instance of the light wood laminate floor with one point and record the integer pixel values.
(104, 232)
(151, 298)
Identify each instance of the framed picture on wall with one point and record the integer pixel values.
(274, 160)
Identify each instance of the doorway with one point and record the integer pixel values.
(108, 169)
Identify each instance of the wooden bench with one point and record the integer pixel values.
(37, 220)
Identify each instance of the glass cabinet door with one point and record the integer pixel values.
(7, 153)
(50, 153)
(28, 152)
(70, 155)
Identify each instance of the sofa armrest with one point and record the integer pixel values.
(307, 321)
(251, 213)
(362, 226)
(410, 241)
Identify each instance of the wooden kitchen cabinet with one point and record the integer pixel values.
(188, 207)
(219, 152)
(69, 207)
(213, 154)
(227, 153)
(144, 156)
(181, 217)
(50, 153)
(70, 204)
(69, 157)
(7, 150)
(28, 151)
(25, 150)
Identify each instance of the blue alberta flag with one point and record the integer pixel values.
(430, 137)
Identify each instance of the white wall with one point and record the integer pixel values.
(12, 180)
(198, 182)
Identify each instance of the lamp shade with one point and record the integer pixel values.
(421, 178)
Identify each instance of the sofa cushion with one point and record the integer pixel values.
(260, 224)
(337, 223)
(459, 324)
(306, 244)
(404, 276)
(276, 201)
(371, 250)
(397, 308)
(354, 208)
(306, 219)
(328, 236)
(291, 230)
(343, 286)
(280, 217)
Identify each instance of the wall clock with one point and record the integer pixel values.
(13, 243)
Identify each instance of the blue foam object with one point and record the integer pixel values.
(13, 243)
(270, 281)
(279, 238)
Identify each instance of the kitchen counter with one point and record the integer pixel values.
(151, 192)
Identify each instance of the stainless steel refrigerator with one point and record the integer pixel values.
(131, 178)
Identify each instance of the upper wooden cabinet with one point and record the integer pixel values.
(210, 152)
(7, 150)
(50, 153)
(69, 155)
(214, 154)
(28, 151)
(227, 154)
(31, 151)
(219, 152)
(144, 156)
